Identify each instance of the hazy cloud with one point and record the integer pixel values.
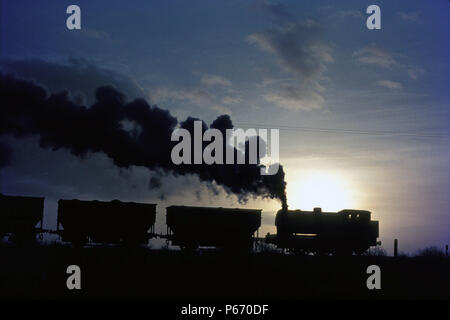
(297, 48)
(390, 84)
(196, 96)
(214, 80)
(222, 109)
(415, 72)
(211, 92)
(228, 100)
(410, 17)
(299, 51)
(295, 98)
(94, 34)
(349, 13)
(375, 55)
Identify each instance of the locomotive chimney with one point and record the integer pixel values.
(317, 210)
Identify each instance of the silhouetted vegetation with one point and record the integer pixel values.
(402, 254)
(432, 251)
(377, 251)
(266, 247)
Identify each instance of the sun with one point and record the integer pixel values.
(325, 189)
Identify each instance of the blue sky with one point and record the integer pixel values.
(292, 64)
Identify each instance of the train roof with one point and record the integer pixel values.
(20, 197)
(319, 210)
(230, 210)
(112, 202)
(353, 211)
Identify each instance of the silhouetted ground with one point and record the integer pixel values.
(117, 272)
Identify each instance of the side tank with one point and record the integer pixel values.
(347, 230)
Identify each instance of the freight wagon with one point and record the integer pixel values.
(21, 217)
(191, 227)
(105, 222)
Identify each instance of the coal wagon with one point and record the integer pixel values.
(105, 222)
(21, 217)
(343, 232)
(191, 227)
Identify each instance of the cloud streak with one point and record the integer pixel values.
(295, 98)
(412, 17)
(198, 96)
(374, 55)
(298, 51)
(390, 84)
(215, 80)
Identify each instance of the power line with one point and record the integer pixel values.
(344, 131)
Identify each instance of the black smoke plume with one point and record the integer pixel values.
(130, 133)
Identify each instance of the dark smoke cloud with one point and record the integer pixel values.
(5, 154)
(130, 133)
(79, 76)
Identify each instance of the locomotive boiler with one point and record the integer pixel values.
(343, 232)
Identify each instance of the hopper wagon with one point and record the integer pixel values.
(192, 227)
(105, 222)
(21, 217)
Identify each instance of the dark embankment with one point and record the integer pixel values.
(40, 273)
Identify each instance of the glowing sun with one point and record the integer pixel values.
(327, 190)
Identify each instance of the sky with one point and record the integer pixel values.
(363, 114)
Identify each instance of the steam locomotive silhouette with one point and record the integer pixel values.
(343, 232)
(130, 223)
